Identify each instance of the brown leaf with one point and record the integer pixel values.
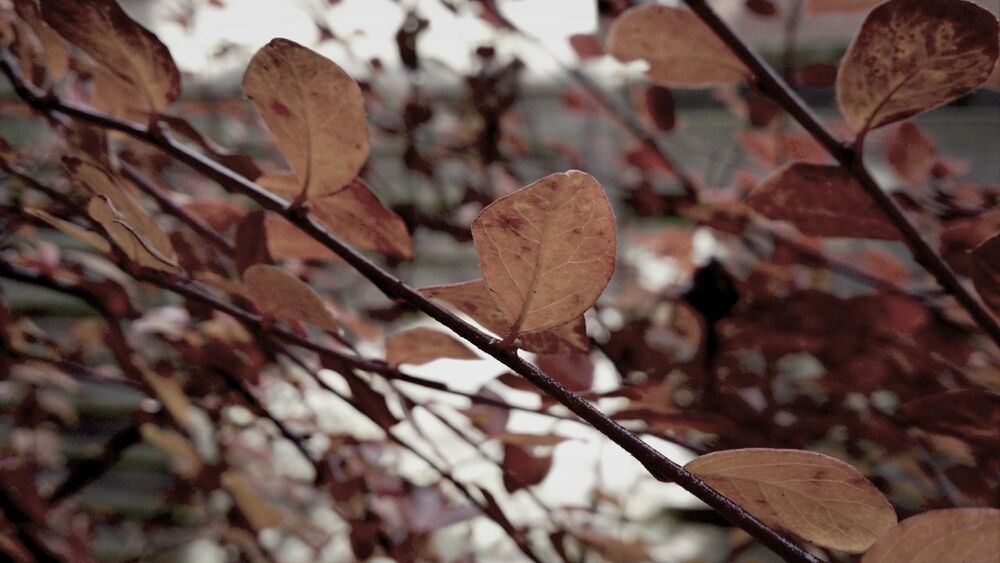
(817, 497)
(680, 49)
(659, 105)
(251, 242)
(218, 214)
(816, 7)
(184, 458)
(473, 299)
(547, 250)
(281, 295)
(422, 345)
(315, 111)
(911, 56)
(986, 272)
(136, 57)
(130, 238)
(969, 535)
(287, 241)
(911, 153)
(970, 414)
(56, 53)
(355, 214)
(586, 45)
(822, 201)
(260, 512)
(522, 469)
(72, 229)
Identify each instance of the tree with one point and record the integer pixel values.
(216, 305)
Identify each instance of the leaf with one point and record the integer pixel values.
(422, 345)
(969, 535)
(523, 469)
(184, 458)
(970, 414)
(817, 497)
(659, 106)
(134, 55)
(130, 239)
(56, 53)
(911, 152)
(680, 49)
(821, 200)
(356, 215)
(251, 242)
(816, 7)
(911, 56)
(315, 111)
(128, 224)
(72, 229)
(586, 46)
(473, 299)
(281, 295)
(260, 512)
(287, 241)
(547, 251)
(986, 272)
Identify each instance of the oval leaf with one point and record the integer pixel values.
(913, 55)
(473, 298)
(680, 49)
(315, 111)
(819, 498)
(547, 251)
(134, 56)
(421, 345)
(969, 535)
(283, 296)
(131, 237)
(821, 200)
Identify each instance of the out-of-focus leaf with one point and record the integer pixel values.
(422, 345)
(680, 49)
(56, 54)
(986, 271)
(817, 497)
(315, 111)
(969, 535)
(822, 201)
(547, 250)
(522, 469)
(135, 243)
(911, 152)
(911, 56)
(586, 45)
(281, 295)
(72, 229)
(261, 512)
(970, 414)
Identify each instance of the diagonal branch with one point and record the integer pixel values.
(851, 158)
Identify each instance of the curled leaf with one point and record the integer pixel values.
(969, 535)
(911, 56)
(315, 111)
(278, 294)
(547, 251)
(422, 345)
(817, 497)
(133, 55)
(680, 49)
(473, 298)
(821, 200)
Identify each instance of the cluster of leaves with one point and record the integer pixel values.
(821, 415)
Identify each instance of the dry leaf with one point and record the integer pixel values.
(132, 240)
(422, 345)
(355, 214)
(184, 458)
(913, 55)
(134, 55)
(969, 535)
(911, 152)
(72, 229)
(278, 294)
(260, 512)
(680, 49)
(986, 271)
(817, 497)
(547, 250)
(56, 53)
(169, 392)
(473, 299)
(315, 111)
(287, 241)
(822, 201)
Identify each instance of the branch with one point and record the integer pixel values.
(658, 465)
(852, 159)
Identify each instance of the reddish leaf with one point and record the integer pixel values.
(957, 534)
(821, 200)
(817, 497)
(680, 49)
(911, 153)
(986, 272)
(422, 345)
(911, 56)
(278, 294)
(523, 469)
(660, 107)
(547, 250)
(969, 414)
(586, 46)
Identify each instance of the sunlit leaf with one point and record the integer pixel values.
(315, 111)
(911, 56)
(680, 49)
(281, 295)
(817, 497)
(821, 200)
(473, 298)
(969, 535)
(422, 345)
(547, 250)
(986, 271)
(135, 56)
